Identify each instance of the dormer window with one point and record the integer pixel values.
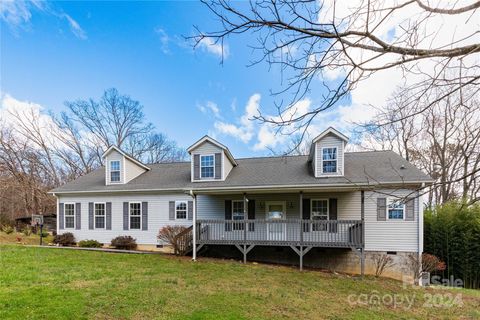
(329, 160)
(207, 166)
(115, 171)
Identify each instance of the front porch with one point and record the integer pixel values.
(292, 232)
(301, 221)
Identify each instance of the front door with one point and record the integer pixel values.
(276, 214)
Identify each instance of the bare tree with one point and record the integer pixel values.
(112, 120)
(444, 141)
(119, 120)
(39, 151)
(24, 179)
(381, 262)
(311, 39)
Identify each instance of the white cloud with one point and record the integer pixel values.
(245, 129)
(261, 135)
(25, 115)
(164, 39)
(217, 48)
(210, 107)
(17, 14)
(75, 27)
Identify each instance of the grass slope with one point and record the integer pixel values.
(43, 283)
(31, 239)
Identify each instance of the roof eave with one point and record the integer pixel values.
(216, 143)
(293, 187)
(333, 131)
(125, 155)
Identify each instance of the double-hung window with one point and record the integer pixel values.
(115, 171)
(207, 166)
(181, 210)
(238, 213)
(69, 215)
(99, 211)
(135, 215)
(329, 160)
(319, 211)
(395, 210)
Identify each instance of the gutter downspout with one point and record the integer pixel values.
(420, 229)
(194, 240)
(58, 209)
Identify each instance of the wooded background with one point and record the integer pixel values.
(40, 150)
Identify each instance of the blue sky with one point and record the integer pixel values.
(60, 51)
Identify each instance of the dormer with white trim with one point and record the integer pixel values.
(327, 153)
(120, 168)
(210, 160)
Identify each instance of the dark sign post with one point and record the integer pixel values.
(37, 220)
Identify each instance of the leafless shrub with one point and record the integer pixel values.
(381, 263)
(171, 235)
(427, 263)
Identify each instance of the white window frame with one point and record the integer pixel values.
(336, 160)
(186, 210)
(200, 165)
(104, 215)
(119, 171)
(129, 215)
(311, 211)
(389, 202)
(243, 204)
(65, 214)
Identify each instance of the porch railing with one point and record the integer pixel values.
(324, 233)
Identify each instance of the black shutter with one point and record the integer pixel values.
(108, 213)
(171, 210)
(218, 166)
(196, 167)
(251, 214)
(144, 215)
(61, 220)
(78, 216)
(90, 215)
(125, 216)
(228, 215)
(190, 210)
(306, 214)
(381, 209)
(410, 210)
(332, 214)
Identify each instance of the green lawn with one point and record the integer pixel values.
(47, 283)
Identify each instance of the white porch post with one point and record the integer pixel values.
(194, 240)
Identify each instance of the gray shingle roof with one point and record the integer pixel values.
(375, 167)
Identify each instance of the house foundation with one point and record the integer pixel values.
(333, 259)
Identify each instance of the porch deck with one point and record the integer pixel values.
(291, 232)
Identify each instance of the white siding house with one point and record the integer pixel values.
(353, 204)
(158, 216)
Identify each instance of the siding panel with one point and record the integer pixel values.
(379, 235)
(132, 170)
(329, 141)
(113, 156)
(158, 216)
(389, 235)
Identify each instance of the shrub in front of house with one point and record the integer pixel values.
(27, 231)
(7, 229)
(171, 235)
(90, 244)
(44, 234)
(65, 239)
(124, 243)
